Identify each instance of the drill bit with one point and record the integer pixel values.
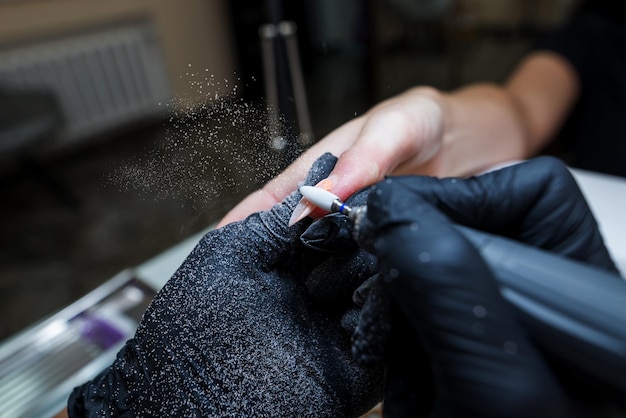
(327, 201)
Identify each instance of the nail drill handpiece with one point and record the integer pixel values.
(573, 309)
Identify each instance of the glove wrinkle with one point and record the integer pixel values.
(272, 227)
(334, 281)
(372, 334)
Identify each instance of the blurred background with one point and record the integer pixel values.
(128, 125)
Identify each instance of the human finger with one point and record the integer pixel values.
(402, 134)
(287, 181)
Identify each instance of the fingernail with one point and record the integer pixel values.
(326, 184)
(304, 207)
(301, 211)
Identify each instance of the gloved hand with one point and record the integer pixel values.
(234, 333)
(470, 348)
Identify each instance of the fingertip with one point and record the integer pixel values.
(303, 209)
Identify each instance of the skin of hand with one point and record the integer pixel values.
(234, 333)
(426, 131)
(368, 146)
(464, 334)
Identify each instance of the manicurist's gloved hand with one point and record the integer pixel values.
(235, 333)
(456, 348)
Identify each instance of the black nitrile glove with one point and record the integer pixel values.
(234, 333)
(480, 361)
(369, 315)
(536, 202)
(349, 282)
(335, 279)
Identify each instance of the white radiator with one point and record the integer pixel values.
(102, 79)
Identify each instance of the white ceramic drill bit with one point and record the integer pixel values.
(328, 201)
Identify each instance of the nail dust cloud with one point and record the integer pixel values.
(210, 150)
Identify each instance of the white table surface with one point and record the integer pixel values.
(606, 196)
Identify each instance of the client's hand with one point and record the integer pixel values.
(401, 135)
(235, 333)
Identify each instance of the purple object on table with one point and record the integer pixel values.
(98, 331)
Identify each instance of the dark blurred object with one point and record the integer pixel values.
(593, 137)
(422, 10)
(269, 50)
(285, 93)
(247, 17)
(29, 118)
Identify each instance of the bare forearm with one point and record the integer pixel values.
(482, 128)
(487, 124)
(544, 88)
